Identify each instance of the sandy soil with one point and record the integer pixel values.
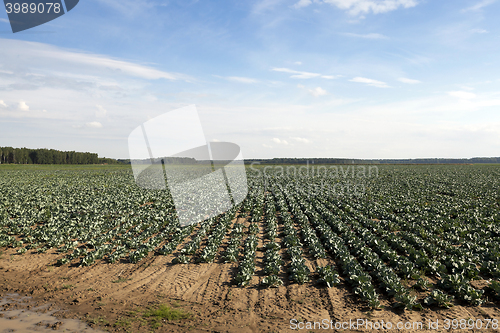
(113, 296)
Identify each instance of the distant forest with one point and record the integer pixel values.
(337, 161)
(9, 155)
(475, 160)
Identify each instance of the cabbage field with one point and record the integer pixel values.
(387, 231)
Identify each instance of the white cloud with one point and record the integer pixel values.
(266, 146)
(94, 124)
(409, 81)
(366, 36)
(4, 20)
(302, 3)
(239, 79)
(302, 140)
(462, 94)
(101, 111)
(316, 92)
(119, 65)
(370, 82)
(297, 74)
(356, 7)
(23, 106)
(302, 75)
(278, 141)
(63, 57)
(433, 126)
(2, 103)
(298, 63)
(478, 6)
(242, 79)
(479, 31)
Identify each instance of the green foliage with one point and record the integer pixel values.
(123, 322)
(409, 223)
(232, 249)
(407, 301)
(272, 281)
(246, 267)
(182, 259)
(165, 312)
(328, 275)
(459, 284)
(9, 155)
(422, 284)
(439, 298)
(494, 288)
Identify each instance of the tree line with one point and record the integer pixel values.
(9, 155)
(475, 160)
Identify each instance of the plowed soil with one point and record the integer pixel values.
(114, 296)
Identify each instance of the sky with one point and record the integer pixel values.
(280, 78)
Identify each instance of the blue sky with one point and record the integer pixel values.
(281, 78)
